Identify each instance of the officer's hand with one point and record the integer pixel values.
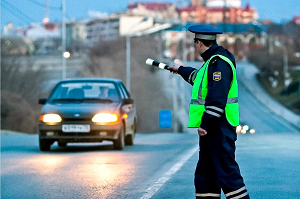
(201, 131)
(174, 68)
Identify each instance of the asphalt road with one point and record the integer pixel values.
(158, 166)
(88, 171)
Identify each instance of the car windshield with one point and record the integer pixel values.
(85, 92)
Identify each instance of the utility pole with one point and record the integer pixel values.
(286, 74)
(175, 104)
(128, 58)
(46, 14)
(184, 53)
(128, 62)
(184, 59)
(271, 49)
(224, 15)
(63, 37)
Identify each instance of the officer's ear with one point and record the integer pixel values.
(199, 43)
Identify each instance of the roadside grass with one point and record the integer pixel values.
(287, 96)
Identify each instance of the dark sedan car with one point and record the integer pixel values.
(87, 110)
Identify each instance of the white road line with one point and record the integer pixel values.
(161, 181)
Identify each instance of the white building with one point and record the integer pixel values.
(133, 24)
(76, 35)
(156, 10)
(224, 3)
(105, 29)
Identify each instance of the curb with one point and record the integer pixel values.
(9, 132)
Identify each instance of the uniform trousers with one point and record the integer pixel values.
(217, 168)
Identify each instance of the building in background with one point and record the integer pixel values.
(105, 29)
(296, 20)
(198, 2)
(40, 39)
(239, 39)
(76, 36)
(217, 11)
(10, 31)
(139, 17)
(223, 3)
(154, 9)
(133, 24)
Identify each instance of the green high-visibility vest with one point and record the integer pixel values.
(199, 92)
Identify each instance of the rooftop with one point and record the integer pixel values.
(151, 6)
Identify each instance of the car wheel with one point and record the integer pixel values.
(62, 144)
(45, 145)
(119, 143)
(129, 139)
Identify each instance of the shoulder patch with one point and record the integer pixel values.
(217, 76)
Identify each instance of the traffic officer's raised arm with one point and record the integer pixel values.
(219, 80)
(187, 73)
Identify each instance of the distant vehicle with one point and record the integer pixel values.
(87, 110)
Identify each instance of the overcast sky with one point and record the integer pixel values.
(22, 12)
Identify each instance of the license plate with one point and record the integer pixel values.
(76, 128)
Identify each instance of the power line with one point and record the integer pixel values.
(18, 10)
(18, 13)
(42, 5)
(51, 7)
(14, 14)
(21, 15)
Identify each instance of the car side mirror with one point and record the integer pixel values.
(128, 101)
(43, 101)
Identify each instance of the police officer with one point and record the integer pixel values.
(214, 112)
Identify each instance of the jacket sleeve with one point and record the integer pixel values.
(188, 74)
(219, 82)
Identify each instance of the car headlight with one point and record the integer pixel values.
(105, 118)
(50, 118)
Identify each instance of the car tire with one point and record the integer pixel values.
(45, 145)
(129, 139)
(120, 142)
(62, 144)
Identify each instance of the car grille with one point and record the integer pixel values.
(77, 119)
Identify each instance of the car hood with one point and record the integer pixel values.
(80, 110)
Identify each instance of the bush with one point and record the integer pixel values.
(271, 69)
(20, 88)
(17, 114)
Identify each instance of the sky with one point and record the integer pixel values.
(22, 12)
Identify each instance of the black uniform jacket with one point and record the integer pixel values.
(218, 87)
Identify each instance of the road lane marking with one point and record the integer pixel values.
(161, 181)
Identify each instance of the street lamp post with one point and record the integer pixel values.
(128, 72)
(63, 37)
(266, 37)
(286, 74)
(128, 57)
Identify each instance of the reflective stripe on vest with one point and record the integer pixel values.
(197, 106)
(202, 101)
